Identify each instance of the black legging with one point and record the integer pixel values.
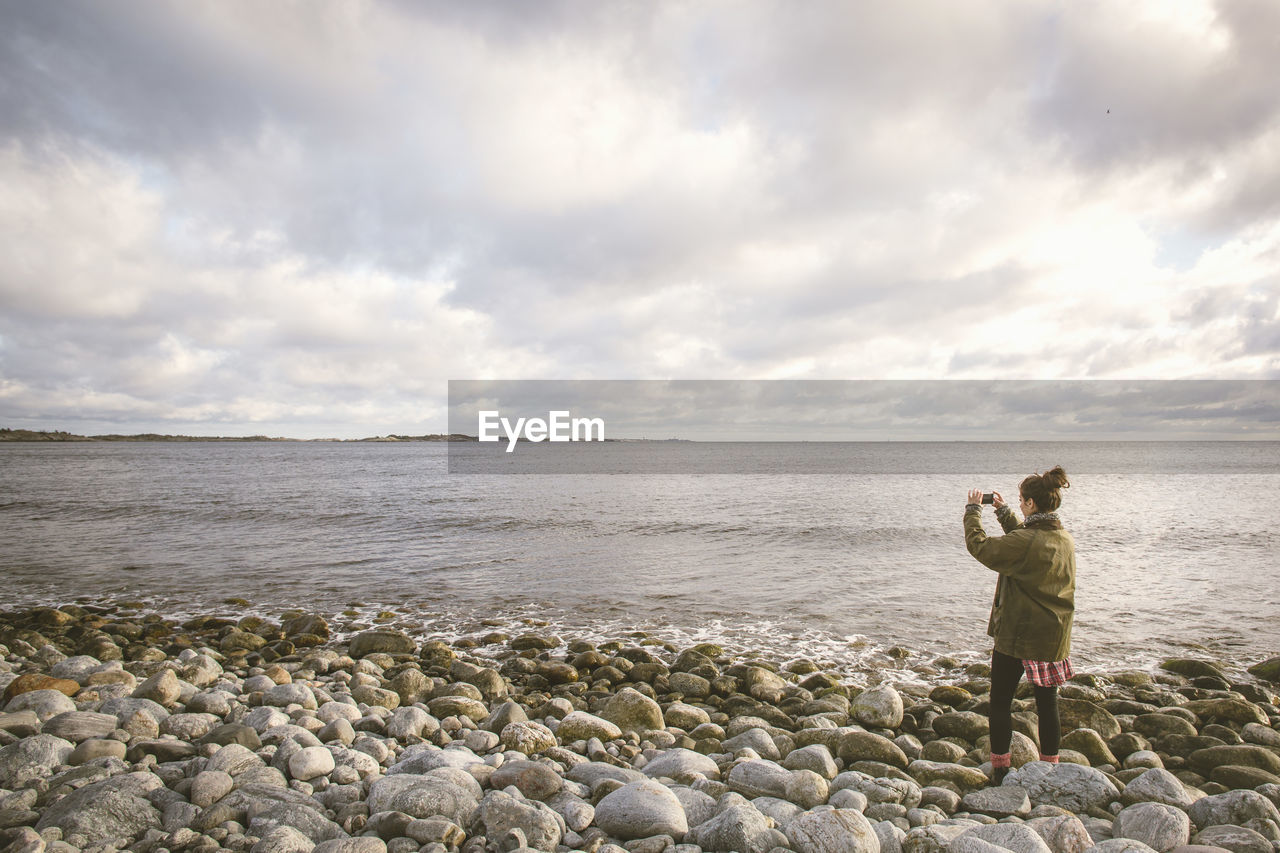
(1006, 672)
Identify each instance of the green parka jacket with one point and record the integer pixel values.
(1034, 603)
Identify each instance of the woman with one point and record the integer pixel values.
(1033, 607)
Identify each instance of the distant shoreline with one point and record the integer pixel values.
(61, 436)
(56, 436)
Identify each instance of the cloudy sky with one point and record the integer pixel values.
(303, 218)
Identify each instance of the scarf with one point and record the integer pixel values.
(1043, 520)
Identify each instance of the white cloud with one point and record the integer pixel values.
(315, 214)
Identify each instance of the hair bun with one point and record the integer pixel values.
(1057, 478)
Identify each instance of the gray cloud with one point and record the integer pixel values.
(242, 213)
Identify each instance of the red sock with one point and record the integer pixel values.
(1052, 759)
(1001, 759)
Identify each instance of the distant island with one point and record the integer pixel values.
(7, 434)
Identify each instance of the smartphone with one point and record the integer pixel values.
(988, 497)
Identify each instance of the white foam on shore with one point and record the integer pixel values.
(856, 658)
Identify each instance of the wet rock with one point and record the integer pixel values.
(631, 710)
(1193, 668)
(682, 716)
(1083, 714)
(1069, 786)
(1091, 745)
(1268, 669)
(641, 809)
(868, 746)
(955, 775)
(880, 707)
(1159, 725)
(834, 831)
(965, 725)
(381, 641)
(1235, 710)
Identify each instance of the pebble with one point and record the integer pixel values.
(604, 748)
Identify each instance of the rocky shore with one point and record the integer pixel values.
(128, 731)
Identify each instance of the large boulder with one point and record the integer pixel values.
(32, 758)
(579, 725)
(1226, 708)
(834, 831)
(631, 710)
(759, 778)
(680, 764)
(869, 746)
(422, 796)
(1234, 807)
(1161, 827)
(1237, 839)
(642, 809)
(527, 737)
(1063, 833)
(265, 816)
(1158, 785)
(956, 775)
(999, 802)
(1017, 837)
(106, 810)
(46, 704)
(500, 813)
(880, 707)
(1073, 787)
(384, 640)
(1242, 754)
(1083, 714)
(740, 827)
